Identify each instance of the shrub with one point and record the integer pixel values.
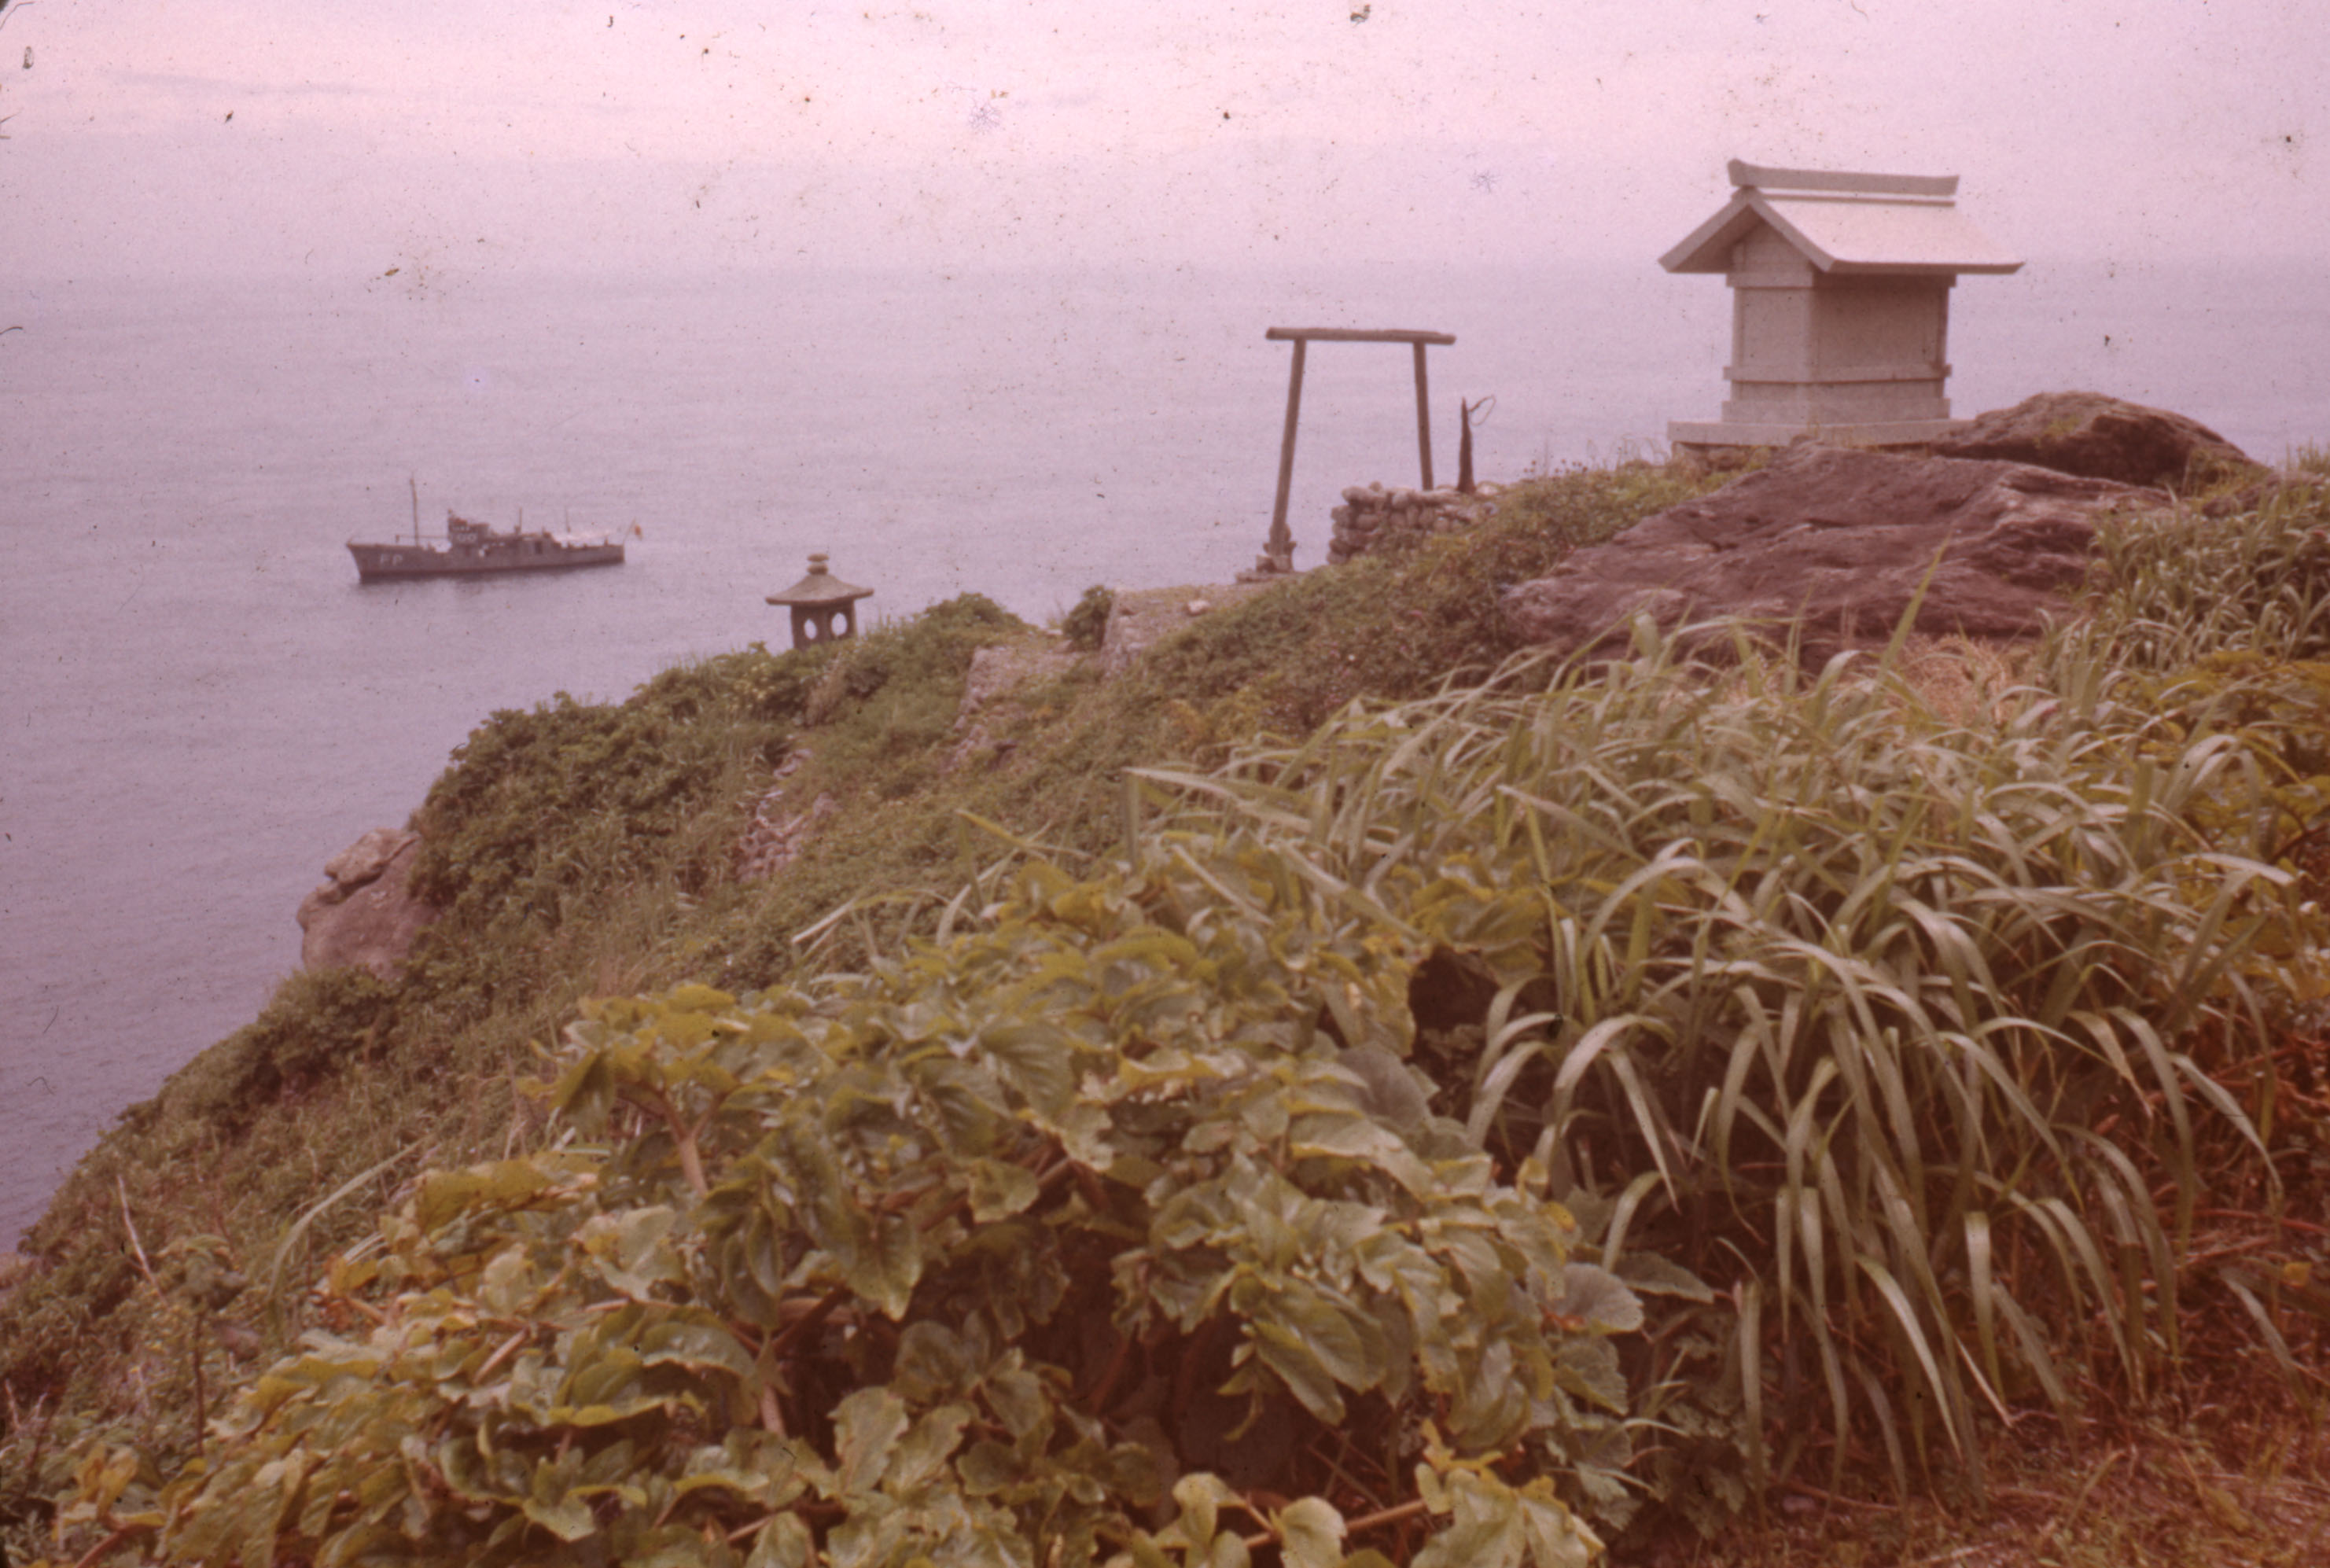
(559, 818)
(975, 1257)
(1087, 623)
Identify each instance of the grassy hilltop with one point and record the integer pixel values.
(1339, 1091)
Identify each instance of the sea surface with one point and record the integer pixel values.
(199, 705)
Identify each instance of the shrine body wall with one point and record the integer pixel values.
(1815, 348)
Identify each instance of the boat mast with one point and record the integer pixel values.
(414, 485)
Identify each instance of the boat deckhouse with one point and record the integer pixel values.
(1840, 305)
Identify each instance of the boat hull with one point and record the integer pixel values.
(401, 562)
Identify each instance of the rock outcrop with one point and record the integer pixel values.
(991, 696)
(2098, 438)
(1139, 618)
(1838, 542)
(365, 915)
(998, 671)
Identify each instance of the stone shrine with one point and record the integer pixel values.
(1840, 302)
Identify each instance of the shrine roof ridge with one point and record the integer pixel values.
(1764, 177)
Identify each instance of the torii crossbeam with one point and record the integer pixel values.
(1281, 548)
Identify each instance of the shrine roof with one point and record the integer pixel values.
(1846, 224)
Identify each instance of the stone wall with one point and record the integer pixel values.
(1372, 516)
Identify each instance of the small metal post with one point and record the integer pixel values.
(1281, 542)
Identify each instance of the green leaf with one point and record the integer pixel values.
(784, 1542)
(1597, 1300)
(505, 1185)
(697, 998)
(1357, 1138)
(1485, 1532)
(999, 1189)
(605, 1413)
(1649, 1274)
(926, 1448)
(1229, 1551)
(1202, 1497)
(1491, 1404)
(1345, 1339)
(630, 1250)
(1310, 1533)
(987, 1466)
(1556, 1537)
(1588, 1368)
(568, 1518)
(933, 1363)
(1034, 1059)
(1144, 1552)
(696, 1342)
(1017, 1398)
(885, 1270)
(866, 1427)
(1300, 1368)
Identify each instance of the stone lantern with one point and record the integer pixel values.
(1840, 305)
(824, 607)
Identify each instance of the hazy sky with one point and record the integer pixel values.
(226, 135)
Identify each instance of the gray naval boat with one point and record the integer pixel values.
(471, 548)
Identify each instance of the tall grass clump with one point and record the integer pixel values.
(2179, 584)
(1899, 1028)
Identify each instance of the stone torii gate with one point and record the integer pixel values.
(1280, 551)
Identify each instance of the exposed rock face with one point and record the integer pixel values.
(776, 837)
(1138, 617)
(1843, 539)
(2097, 437)
(1002, 669)
(773, 840)
(365, 916)
(992, 697)
(364, 860)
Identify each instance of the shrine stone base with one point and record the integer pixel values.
(1694, 434)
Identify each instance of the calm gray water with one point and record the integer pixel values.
(199, 705)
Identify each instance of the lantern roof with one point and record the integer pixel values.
(820, 586)
(1845, 223)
